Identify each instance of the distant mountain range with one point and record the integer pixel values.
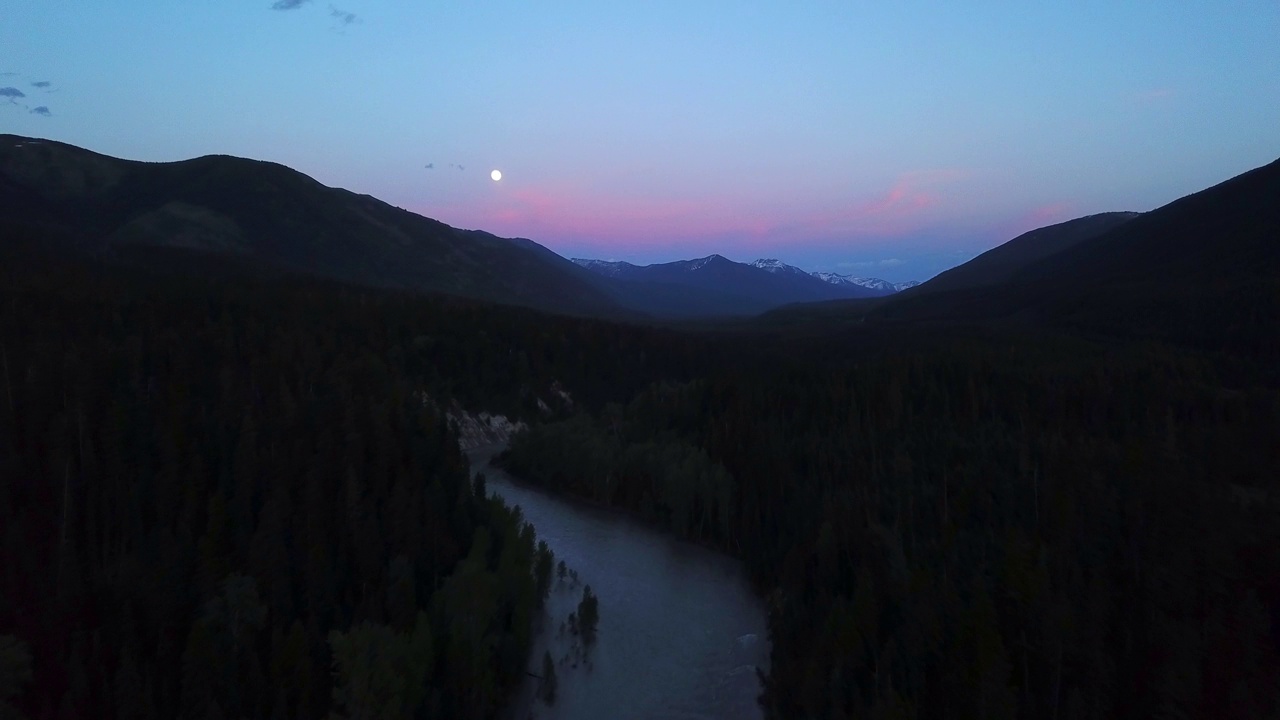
(266, 215)
(717, 286)
(1205, 267)
(883, 287)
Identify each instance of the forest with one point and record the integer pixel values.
(1008, 527)
(229, 494)
(223, 495)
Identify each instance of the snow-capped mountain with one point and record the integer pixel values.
(716, 285)
(626, 270)
(608, 268)
(774, 265)
(700, 263)
(880, 286)
(873, 283)
(713, 285)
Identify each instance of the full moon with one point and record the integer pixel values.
(496, 175)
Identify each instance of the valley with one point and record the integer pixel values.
(1039, 485)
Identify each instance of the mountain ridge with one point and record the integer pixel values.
(713, 286)
(1202, 270)
(882, 286)
(95, 204)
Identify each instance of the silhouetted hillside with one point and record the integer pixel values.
(1001, 263)
(278, 217)
(1203, 269)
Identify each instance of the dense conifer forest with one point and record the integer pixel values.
(1020, 527)
(228, 493)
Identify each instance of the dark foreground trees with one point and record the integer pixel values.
(588, 616)
(220, 500)
(1028, 527)
(548, 684)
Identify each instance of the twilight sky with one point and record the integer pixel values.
(883, 139)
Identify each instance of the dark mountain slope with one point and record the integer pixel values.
(1204, 269)
(1002, 263)
(962, 283)
(277, 216)
(1226, 232)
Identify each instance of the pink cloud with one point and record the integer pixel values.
(900, 209)
(902, 198)
(544, 211)
(561, 213)
(1049, 214)
(1034, 218)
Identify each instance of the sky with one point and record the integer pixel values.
(878, 139)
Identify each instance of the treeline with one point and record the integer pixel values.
(668, 482)
(224, 496)
(1019, 528)
(501, 359)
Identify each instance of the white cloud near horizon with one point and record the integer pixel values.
(886, 263)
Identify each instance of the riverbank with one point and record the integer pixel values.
(681, 633)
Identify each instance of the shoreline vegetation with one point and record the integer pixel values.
(223, 499)
(1019, 530)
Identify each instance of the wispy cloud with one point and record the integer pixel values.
(886, 263)
(1048, 214)
(909, 194)
(42, 111)
(342, 16)
(288, 4)
(897, 208)
(42, 84)
(451, 166)
(1033, 218)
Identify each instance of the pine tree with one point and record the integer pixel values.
(15, 672)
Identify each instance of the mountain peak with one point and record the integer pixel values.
(775, 265)
(268, 216)
(882, 286)
(700, 263)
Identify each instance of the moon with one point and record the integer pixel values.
(496, 175)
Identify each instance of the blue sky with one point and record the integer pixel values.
(884, 139)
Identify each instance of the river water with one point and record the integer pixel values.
(680, 631)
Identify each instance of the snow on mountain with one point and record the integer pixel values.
(615, 268)
(618, 268)
(608, 268)
(777, 266)
(870, 283)
(774, 265)
(873, 283)
(701, 262)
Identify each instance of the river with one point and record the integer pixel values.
(680, 631)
